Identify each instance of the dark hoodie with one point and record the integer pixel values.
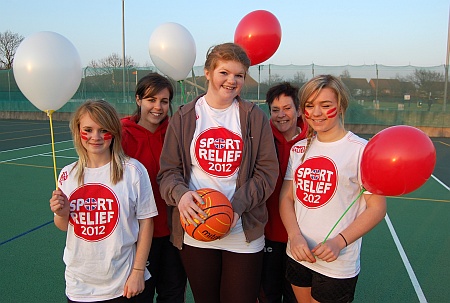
(146, 147)
(274, 229)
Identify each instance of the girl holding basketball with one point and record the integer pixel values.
(105, 203)
(222, 142)
(322, 180)
(142, 138)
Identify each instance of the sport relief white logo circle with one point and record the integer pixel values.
(218, 152)
(315, 182)
(94, 212)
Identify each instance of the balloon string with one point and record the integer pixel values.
(183, 95)
(348, 208)
(49, 114)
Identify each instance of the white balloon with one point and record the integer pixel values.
(47, 69)
(172, 50)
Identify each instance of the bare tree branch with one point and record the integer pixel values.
(9, 42)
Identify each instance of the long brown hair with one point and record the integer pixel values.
(150, 85)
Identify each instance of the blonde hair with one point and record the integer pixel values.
(311, 89)
(106, 116)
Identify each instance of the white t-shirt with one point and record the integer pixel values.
(216, 151)
(325, 184)
(103, 229)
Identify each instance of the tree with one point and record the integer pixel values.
(299, 79)
(110, 65)
(426, 81)
(345, 74)
(422, 76)
(9, 42)
(273, 79)
(112, 61)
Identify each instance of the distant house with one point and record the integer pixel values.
(359, 87)
(387, 87)
(407, 88)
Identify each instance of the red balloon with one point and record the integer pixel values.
(397, 161)
(259, 33)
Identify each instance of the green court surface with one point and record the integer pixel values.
(404, 259)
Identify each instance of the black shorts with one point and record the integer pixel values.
(323, 289)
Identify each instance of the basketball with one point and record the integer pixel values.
(220, 216)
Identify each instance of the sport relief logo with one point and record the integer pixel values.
(94, 212)
(218, 152)
(315, 181)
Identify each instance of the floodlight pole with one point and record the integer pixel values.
(123, 49)
(376, 86)
(446, 64)
(259, 78)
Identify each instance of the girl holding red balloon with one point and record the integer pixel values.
(322, 179)
(222, 142)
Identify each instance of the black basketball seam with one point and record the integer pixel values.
(215, 206)
(195, 228)
(208, 192)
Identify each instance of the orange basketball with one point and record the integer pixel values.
(220, 216)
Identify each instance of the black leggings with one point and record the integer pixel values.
(220, 276)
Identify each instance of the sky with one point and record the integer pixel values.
(327, 32)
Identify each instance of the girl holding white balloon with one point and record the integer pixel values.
(105, 204)
(142, 138)
(223, 142)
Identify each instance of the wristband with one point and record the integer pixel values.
(346, 244)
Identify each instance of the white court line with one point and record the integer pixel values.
(63, 157)
(27, 147)
(405, 260)
(440, 182)
(412, 275)
(36, 155)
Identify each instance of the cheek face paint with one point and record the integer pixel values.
(107, 136)
(84, 135)
(332, 113)
(306, 114)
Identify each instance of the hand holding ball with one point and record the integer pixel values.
(220, 216)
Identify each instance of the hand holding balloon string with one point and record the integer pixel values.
(345, 212)
(49, 114)
(390, 163)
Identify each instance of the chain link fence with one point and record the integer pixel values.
(381, 95)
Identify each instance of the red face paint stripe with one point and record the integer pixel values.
(306, 113)
(332, 113)
(107, 136)
(84, 135)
